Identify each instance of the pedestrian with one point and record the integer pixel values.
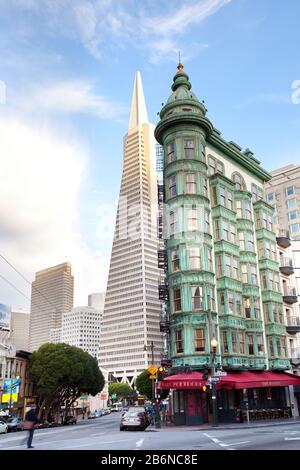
(30, 421)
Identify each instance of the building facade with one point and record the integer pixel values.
(96, 300)
(223, 275)
(19, 333)
(130, 335)
(52, 294)
(283, 193)
(81, 327)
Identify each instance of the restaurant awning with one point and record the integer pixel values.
(237, 380)
(258, 380)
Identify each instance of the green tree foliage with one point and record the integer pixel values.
(62, 373)
(120, 389)
(144, 384)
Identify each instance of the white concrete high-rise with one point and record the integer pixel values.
(132, 308)
(19, 329)
(81, 327)
(51, 295)
(96, 300)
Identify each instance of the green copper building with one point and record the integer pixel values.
(223, 277)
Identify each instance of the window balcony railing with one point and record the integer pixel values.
(293, 325)
(283, 238)
(294, 354)
(290, 295)
(286, 266)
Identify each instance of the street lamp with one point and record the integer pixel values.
(214, 345)
(151, 347)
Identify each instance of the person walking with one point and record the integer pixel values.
(30, 419)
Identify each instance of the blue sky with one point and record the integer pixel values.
(68, 67)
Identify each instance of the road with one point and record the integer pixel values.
(104, 434)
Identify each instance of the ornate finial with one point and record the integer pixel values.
(179, 66)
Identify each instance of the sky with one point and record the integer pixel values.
(66, 76)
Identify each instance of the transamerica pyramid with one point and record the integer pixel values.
(132, 308)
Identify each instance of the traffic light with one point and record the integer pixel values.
(160, 372)
(204, 388)
(205, 374)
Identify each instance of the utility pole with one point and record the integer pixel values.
(152, 359)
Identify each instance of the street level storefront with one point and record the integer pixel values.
(257, 395)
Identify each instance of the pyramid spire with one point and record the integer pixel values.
(138, 112)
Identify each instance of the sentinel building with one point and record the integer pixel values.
(130, 330)
(223, 279)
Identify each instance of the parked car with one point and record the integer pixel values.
(92, 416)
(70, 420)
(116, 407)
(134, 420)
(14, 424)
(141, 409)
(3, 426)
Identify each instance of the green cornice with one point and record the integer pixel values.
(244, 224)
(190, 238)
(242, 195)
(226, 247)
(228, 283)
(217, 141)
(191, 277)
(265, 233)
(218, 178)
(268, 264)
(221, 211)
(186, 119)
(279, 364)
(230, 321)
(275, 329)
(254, 325)
(262, 204)
(251, 290)
(271, 296)
(247, 257)
(185, 165)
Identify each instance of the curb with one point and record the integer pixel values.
(221, 428)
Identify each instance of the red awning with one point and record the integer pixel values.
(238, 380)
(183, 381)
(258, 380)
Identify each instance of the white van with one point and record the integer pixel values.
(116, 407)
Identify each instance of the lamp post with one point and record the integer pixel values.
(214, 345)
(146, 347)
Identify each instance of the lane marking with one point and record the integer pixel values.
(234, 444)
(292, 438)
(140, 442)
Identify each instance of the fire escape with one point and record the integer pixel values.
(163, 290)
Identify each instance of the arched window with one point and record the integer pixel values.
(239, 181)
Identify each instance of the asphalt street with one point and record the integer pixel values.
(104, 434)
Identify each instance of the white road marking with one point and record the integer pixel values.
(235, 444)
(292, 438)
(140, 442)
(223, 444)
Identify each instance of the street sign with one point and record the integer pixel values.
(220, 373)
(152, 377)
(152, 369)
(214, 379)
(83, 398)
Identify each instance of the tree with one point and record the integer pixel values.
(120, 389)
(62, 373)
(144, 384)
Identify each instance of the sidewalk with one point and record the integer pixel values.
(222, 426)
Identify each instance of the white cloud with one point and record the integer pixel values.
(41, 178)
(102, 24)
(72, 97)
(182, 18)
